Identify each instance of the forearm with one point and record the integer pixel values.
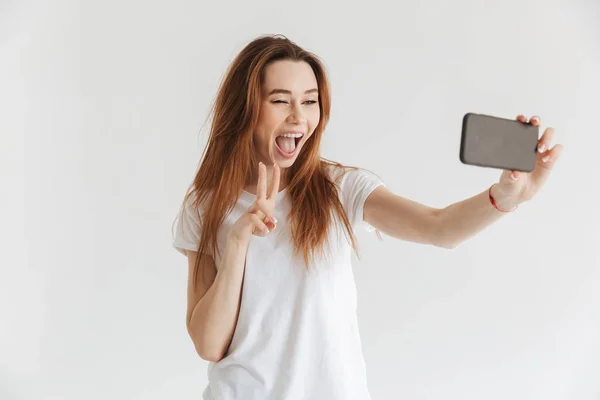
(215, 316)
(462, 220)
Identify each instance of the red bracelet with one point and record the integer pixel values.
(494, 203)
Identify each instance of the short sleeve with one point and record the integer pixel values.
(355, 187)
(186, 235)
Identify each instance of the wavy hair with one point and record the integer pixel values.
(229, 158)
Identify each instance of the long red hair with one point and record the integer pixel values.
(229, 159)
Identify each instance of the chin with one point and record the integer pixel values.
(284, 162)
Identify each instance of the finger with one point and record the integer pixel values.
(270, 224)
(546, 163)
(261, 189)
(549, 158)
(270, 221)
(545, 141)
(535, 121)
(521, 118)
(256, 209)
(275, 182)
(259, 225)
(271, 218)
(513, 176)
(510, 177)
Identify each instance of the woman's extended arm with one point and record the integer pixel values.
(408, 220)
(447, 227)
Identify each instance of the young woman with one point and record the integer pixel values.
(268, 229)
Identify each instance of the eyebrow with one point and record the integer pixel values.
(285, 91)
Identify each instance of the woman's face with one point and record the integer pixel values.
(289, 105)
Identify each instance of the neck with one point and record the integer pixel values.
(251, 185)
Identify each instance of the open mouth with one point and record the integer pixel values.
(287, 143)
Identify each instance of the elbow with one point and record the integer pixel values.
(205, 351)
(208, 355)
(448, 246)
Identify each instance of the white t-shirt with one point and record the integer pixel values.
(297, 334)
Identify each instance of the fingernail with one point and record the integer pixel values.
(274, 220)
(266, 230)
(542, 148)
(545, 159)
(513, 177)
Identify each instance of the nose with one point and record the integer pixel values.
(297, 115)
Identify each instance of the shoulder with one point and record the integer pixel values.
(192, 209)
(348, 178)
(337, 171)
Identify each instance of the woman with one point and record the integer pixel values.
(268, 228)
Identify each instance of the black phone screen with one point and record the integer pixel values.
(501, 143)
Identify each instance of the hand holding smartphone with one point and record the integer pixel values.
(494, 142)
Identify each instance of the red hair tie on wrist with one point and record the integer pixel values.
(494, 202)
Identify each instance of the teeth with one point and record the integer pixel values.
(292, 135)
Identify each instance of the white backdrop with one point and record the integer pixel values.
(101, 109)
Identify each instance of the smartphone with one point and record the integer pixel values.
(494, 142)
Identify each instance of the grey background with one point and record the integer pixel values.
(102, 105)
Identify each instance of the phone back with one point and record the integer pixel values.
(494, 142)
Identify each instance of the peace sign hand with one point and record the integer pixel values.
(259, 219)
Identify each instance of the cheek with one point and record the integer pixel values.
(270, 121)
(261, 137)
(268, 118)
(314, 119)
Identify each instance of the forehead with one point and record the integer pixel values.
(296, 76)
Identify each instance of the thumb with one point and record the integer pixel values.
(510, 178)
(255, 209)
